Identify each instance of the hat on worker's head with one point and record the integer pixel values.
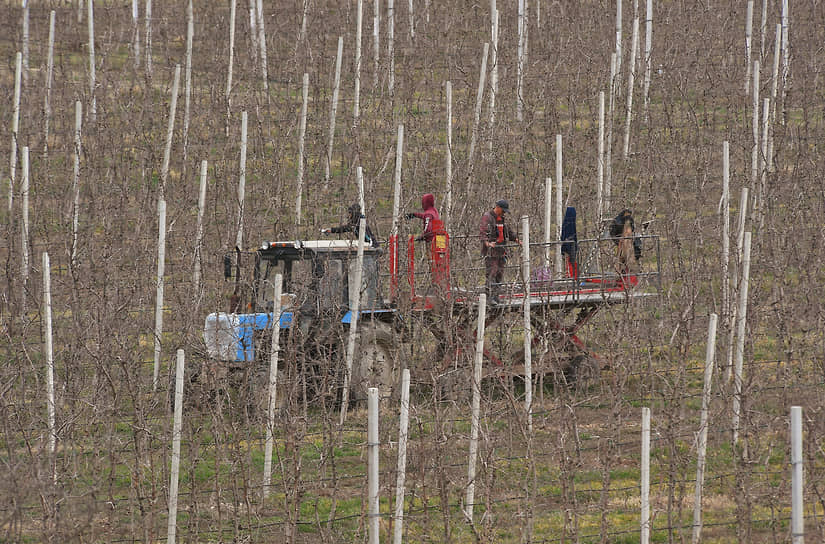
(504, 205)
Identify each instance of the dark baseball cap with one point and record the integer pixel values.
(504, 205)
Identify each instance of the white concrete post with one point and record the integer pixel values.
(493, 76)
(634, 44)
(24, 231)
(412, 21)
(228, 92)
(196, 276)
(741, 321)
(600, 165)
(47, 335)
(755, 126)
(159, 292)
(359, 19)
(477, 114)
(548, 221)
(47, 105)
(372, 456)
(148, 33)
(376, 39)
(559, 210)
(187, 91)
(448, 166)
(359, 178)
(92, 82)
(774, 85)
(608, 161)
(618, 36)
(474, 425)
(273, 383)
(648, 51)
(748, 34)
(170, 131)
(725, 209)
(353, 323)
(396, 195)
(333, 109)
(520, 63)
(78, 119)
(401, 470)
(262, 44)
(390, 40)
(528, 331)
(15, 126)
(176, 432)
(242, 182)
(645, 487)
(135, 34)
(701, 447)
(302, 133)
(25, 45)
(797, 483)
(740, 241)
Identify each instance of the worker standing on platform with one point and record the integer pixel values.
(428, 216)
(495, 233)
(351, 225)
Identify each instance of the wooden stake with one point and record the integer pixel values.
(401, 468)
(469, 498)
(332, 111)
(273, 383)
(159, 292)
(302, 133)
(47, 105)
(710, 356)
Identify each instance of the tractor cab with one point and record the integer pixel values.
(318, 294)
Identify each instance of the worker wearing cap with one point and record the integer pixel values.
(495, 233)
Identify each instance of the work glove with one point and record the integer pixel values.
(324, 231)
(410, 216)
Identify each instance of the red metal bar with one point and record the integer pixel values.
(411, 265)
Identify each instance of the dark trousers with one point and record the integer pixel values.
(494, 266)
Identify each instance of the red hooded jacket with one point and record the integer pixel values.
(428, 216)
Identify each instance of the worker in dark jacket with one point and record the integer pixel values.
(429, 215)
(495, 233)
(351, 225)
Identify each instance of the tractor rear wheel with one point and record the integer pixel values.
(374, 361)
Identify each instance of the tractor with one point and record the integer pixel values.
(319, 291)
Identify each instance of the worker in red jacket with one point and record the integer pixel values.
(495, 233)
(429, 215)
